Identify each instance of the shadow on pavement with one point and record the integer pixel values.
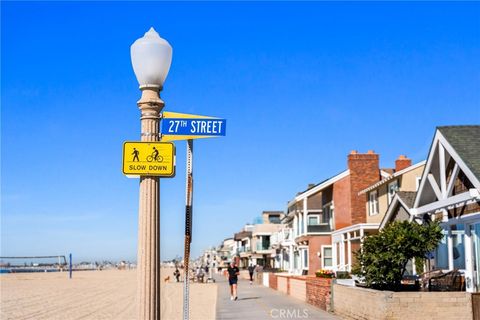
(249, 298)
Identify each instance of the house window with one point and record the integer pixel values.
(274, 219)
(327, 257)
(392, 189)
(305, 258)
(373, 203)
(313, 220)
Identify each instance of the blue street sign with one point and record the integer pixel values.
(182, 126)
(195, 127)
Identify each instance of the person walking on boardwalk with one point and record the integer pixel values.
(251, 269)
(232, 274)
(176, 274)
(135, 154)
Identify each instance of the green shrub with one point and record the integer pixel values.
(384, 256)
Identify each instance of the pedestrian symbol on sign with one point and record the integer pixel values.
(135, 154)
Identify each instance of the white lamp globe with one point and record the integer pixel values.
(151, 58)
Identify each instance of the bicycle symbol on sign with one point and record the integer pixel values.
(155, 156)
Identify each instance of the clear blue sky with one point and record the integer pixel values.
(301, 85)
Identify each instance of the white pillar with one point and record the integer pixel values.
(295, 226)
(290, 259)
(469, 278)
(349, 248)
(305, 214)
(450, 248)
(342, 253)
(334, 257)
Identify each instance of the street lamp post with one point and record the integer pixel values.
(151, 59)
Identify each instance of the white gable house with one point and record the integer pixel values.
(449, 192)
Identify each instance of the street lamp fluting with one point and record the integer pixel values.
(151, 58)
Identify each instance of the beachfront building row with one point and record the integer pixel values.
(327, 221)
(253, 244)
(325, 224)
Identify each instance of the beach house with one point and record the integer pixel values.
(449, 192)
(314, 214)
(396, 189)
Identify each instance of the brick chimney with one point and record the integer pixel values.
(364, 171)
(402, 162)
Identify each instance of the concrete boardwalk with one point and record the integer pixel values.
(257, 302)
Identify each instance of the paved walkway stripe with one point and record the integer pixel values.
(257, 302)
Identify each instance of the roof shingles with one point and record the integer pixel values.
(466, 142)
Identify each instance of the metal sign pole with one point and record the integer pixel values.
(70, 266)
(188, 227)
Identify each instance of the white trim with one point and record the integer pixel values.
(418, 179)
(385, 174)
(426, 170)
(390, 177)
(440, 140)
(355, 227)
(445, 203)
(467, 219)
(443, 179)
(469, 264)
(349, 252)
(465, 169)
(389, 212)
(453, 178)
(435, 187)
(450, 248)
(320, 187)
(305, 214)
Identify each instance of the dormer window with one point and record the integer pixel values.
(373, 203)
(392, 189)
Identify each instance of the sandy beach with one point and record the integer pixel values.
(108, 294)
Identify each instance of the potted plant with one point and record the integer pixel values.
(324, 273)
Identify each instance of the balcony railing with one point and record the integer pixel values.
(322, 227)
(261, 247)
(243, 249)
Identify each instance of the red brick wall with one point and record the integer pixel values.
(272, 281)
(364, 171)
(315, 245)
(355, 245)
(341, 201)
(319, 292)
(402, 162)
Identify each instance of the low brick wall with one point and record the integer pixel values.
(282, 284)
(319, 292)
(361, 303)
(272, 281)
(298, 288)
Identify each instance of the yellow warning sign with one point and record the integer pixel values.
(149, 159)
